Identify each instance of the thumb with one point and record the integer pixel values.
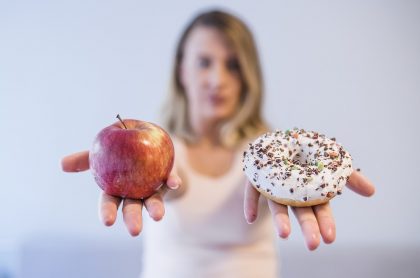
(174, 181)
(76, 162)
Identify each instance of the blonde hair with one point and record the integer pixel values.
(247, 123)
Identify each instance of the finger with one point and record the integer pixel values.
(174, 181)
(308, 225)
(155, 207)
(281, 219)
(75, 162)
(251, 203)
(326, 222)
(360, 184)
(108, 207)
(132, 210)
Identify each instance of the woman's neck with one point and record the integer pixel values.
(208, 133)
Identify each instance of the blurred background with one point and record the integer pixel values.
(349, 69)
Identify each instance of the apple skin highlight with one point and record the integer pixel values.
(132, 162)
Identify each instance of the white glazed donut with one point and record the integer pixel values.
(297, 168)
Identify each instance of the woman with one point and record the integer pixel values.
(213, 111)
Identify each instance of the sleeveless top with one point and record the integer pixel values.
(204, 232)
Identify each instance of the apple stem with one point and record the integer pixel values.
(119, 118)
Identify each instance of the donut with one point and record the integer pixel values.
(296, 167)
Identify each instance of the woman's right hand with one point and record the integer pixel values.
(131, 208)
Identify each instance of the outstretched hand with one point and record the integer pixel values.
(315, 222)
(131, 208)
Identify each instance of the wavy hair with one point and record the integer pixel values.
(247, 123)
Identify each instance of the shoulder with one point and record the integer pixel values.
(244, 143)
(179, 167)
(180, 151)
(179, 144)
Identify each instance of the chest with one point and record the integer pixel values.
(211, 162)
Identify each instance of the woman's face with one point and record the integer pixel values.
(210, 75)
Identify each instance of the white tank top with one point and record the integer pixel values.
(204, 232)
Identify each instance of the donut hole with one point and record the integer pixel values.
(305, 155)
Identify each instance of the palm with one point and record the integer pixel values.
(315, 222)
(132, 209)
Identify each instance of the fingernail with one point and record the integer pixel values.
(173, 184)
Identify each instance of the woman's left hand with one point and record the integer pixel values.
(315, 222)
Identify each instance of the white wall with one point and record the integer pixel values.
(347, 68)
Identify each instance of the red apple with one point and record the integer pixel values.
(131, 158)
